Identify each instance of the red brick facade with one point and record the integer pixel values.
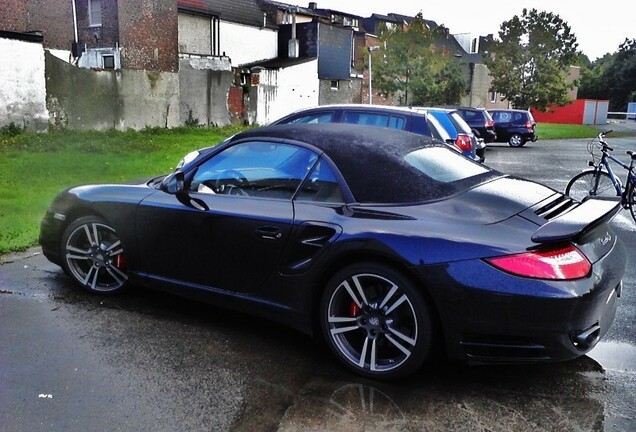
(149, 35)
(147, 32)
(53, 18)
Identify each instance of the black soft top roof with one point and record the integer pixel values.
(371, 159)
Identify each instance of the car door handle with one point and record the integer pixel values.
(269, 232)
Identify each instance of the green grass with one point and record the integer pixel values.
(35, 167)
(563, 131)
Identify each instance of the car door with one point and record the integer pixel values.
(502, 121)
(232, 239)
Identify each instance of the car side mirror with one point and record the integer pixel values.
(174, 184)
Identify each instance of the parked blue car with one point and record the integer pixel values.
(460, 132)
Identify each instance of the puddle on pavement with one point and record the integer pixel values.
(615, 356)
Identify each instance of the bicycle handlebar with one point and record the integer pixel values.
(602, 141)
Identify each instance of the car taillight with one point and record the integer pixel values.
(490, 123)
(463, 142)
(529, 125)
(563, 264)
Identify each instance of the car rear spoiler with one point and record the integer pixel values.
(586, 216)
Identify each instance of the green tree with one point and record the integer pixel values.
(612, 77)
(411, 66)
(531, 61)
(621, 76)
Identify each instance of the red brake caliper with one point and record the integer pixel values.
(120, 262)
(354, 309)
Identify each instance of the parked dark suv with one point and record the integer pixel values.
(411, 120)
(516, 127)
(479, 120)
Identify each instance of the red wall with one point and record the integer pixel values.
(571, 114)
(575, 113)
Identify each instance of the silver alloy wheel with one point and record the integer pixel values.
(515, 140)
(95, 257)
(372, 322)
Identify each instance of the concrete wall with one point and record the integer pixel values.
(23, 88)
(349, 91)
(245, 44)
(478, 80)
(204, 84)
(86, 99)
(281, 91)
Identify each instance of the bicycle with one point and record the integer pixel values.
(600, 180)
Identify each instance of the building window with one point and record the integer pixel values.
(108, 61)
(349, 22)
(493, 97)
(335, 85)
(95, 13)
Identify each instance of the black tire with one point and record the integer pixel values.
(92, 254)
(581, 185)
(376, 322)
(516, 140)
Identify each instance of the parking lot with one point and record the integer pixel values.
(147, 361)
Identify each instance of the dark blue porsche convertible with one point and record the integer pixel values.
(390, 246)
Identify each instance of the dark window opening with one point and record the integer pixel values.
(108, 62)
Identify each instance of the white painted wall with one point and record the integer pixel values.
(245, 44)
(241, 43)
(282, 91)
(22, 85)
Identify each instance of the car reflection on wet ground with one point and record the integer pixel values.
(147, 359)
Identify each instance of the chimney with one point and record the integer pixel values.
(313, 5)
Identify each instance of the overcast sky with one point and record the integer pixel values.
(600, 27)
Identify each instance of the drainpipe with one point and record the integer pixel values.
(292, 45)
(75, 28)
(75, 19)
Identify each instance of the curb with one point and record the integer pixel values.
(18, 256)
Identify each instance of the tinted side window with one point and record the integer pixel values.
(374, 119)
(321, 185)
(519, 118)
(255, 169)
(321, 117)
(501, 117)
(471, 116)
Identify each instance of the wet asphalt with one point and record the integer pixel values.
(146, 361)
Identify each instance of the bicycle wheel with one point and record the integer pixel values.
(582, 185)
(631, 196)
